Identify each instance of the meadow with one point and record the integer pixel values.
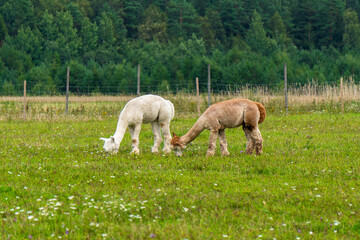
(57, 182)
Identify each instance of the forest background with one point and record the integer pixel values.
(244, 41)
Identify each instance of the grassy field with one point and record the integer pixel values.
(56, 182)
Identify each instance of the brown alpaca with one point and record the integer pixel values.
(227, 114)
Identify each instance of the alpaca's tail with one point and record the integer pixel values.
(262, 112)
(172, 109)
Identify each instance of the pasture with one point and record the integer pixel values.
(57, 182)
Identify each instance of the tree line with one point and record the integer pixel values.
(244, 41)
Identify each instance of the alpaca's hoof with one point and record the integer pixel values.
(154, 150)
(135, 152)
(167, 150)
(210, 154)
(249, 151)
(225, 153)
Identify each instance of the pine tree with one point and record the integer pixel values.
(329, 26)
(303, 22)
(48, 30)
(351, 36)
(17, 13)
(153, 26)
(117, 22)
(106, 34)
(132, 16)
(181, 19)
(256, 36)
(89, 36)
(30, 42)
(160, 4)
(207, 32)
(76, 14)
(353, 4)
(278, 30)
(232, 17)
(3, 30)
(67, 40)
(47, 27)
(201, 6)
(214, 18)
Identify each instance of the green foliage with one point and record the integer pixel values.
(39, 81)
(89, 36)
(245, 41)
(153, 27)
(329, 26)
(66, 40)
(3, 30)
(348, 65)
(352, 30)
(231, 13)
(213, 17)
(131, 10)
(17, 13)
(182, 22)
(13, 58)
(119, 29)
(256, 37)
(30, 42)
(279, 32)
(8, 88)
(106, 33)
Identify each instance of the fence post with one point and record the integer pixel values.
(67, 90)
(342, 95)
(24, 99)
(209, 86)
(138, 80)
(198, 96)
(285, 89)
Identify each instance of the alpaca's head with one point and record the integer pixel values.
(177, 145)
(110, 146)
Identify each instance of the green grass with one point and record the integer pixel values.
(55, 181)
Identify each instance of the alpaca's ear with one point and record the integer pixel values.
(174, 135)
(112, 139)
(103, 139)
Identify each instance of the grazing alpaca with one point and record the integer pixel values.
(228, 114)
(145, 109)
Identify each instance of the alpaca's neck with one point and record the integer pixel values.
(198, 127)
(120, 130)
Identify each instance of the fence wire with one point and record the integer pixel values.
(188, 88)
(94, 102)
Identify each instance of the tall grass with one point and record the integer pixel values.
(305, 98)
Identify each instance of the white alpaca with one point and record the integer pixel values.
(145, 109)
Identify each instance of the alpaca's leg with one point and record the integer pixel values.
(223, 143)
(250, 141)
(157, 136)
(167, 136)
(134, 132)
(212, 142)
(258, 140)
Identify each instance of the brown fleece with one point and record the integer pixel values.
(175, 141)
